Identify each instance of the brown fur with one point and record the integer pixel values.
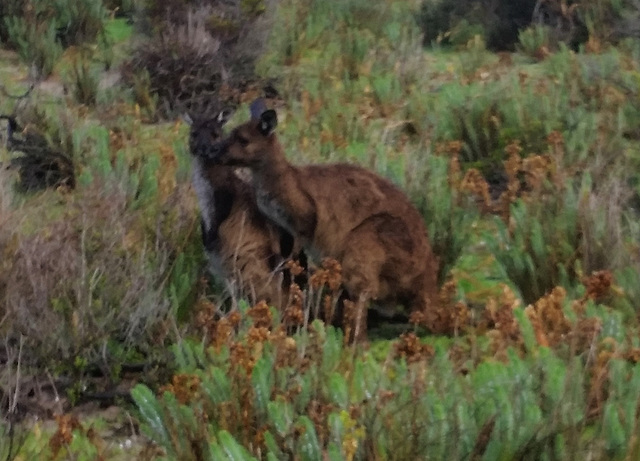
(341, 211)
(244, 248)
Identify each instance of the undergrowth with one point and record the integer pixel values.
(524, 166)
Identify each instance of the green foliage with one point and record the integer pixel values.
(449, 221)
(538, 249)
(610, 20)
(355, 407)
(117, 262)
(79, 21)
(534, 41)
(40, 29)
(84, 82)
(12, 435)
(9, 8)
(36, 43)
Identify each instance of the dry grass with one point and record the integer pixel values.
(97, 273)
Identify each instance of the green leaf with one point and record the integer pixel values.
(280, 415)
(217, 387)
(528, 334)
(308, 445)
(216, 453)
(262, 382)
(334, 452)
(233, 450)
(613, 428)
(338, 391)
(332, 349)
(272, 446)
(151, 413)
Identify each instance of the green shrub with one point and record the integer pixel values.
(9, 9)
(36, 44)
(538, 249)
(535, 41)
(260, 394)
(83, 81)
(449, 219)
(40, 29)
(571, 22)
(609, 21)
(79, 21)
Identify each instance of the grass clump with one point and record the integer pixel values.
(40, 30)
(109, 267)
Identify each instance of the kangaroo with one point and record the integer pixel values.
(341, 211)
(241, 244)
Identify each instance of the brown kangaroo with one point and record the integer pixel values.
(244, 248)
(341, 211)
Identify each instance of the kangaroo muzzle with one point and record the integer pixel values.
(211, 151)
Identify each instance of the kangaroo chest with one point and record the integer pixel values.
(205, 194)
(274, 209)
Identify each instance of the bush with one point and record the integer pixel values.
(9, 9)
(36, 43)
(449, 221)
(187, 62)
(40, 29)
(41, 146)
(451, 21)
(83, 81)
(535, 41)
(109, 266)
(609, 21)
(258, 394)
(79, 21)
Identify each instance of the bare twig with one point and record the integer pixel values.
(14, 401)
(4, 92)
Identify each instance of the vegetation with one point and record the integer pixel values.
(525, 166)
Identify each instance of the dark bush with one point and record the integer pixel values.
(39, 163)
(609, 20)
(79, 21)
(206, 54)
(8, 9)
(498, 20)
(121, 8)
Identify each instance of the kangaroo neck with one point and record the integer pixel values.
(275, 171)
(276, 189)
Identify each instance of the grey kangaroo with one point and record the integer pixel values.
(244, 248)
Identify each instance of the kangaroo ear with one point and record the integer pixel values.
(257, 108)
(186, 118)
(268, 122)
(224, 116)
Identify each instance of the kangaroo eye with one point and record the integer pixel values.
(243, 141)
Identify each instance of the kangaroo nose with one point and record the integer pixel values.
(209, 150)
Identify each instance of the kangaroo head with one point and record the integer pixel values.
(205, 131)
(249, 144)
